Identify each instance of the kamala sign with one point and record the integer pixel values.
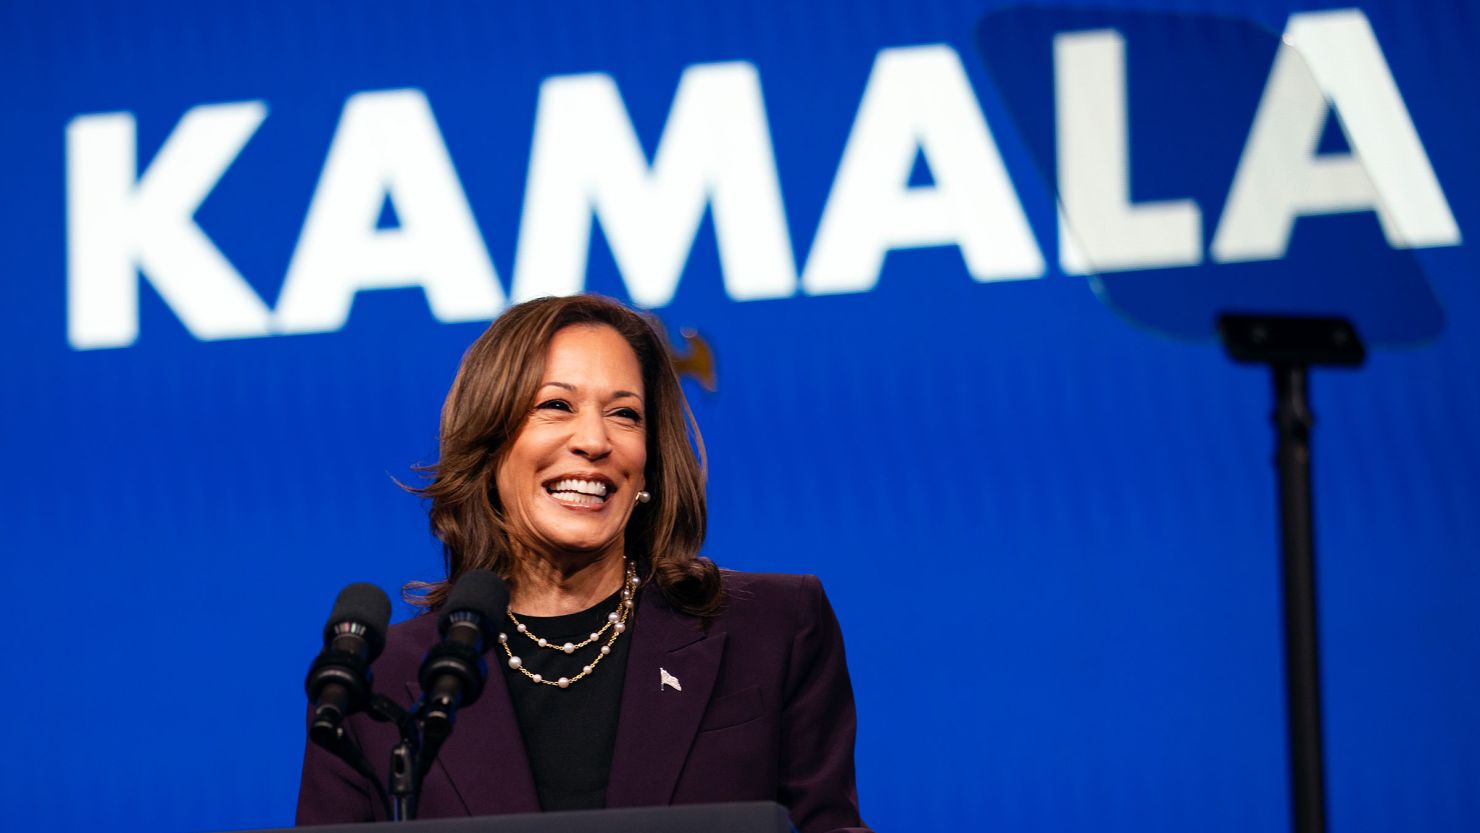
(715, 152)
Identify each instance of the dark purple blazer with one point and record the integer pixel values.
(766, 713)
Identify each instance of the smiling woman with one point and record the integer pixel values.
(575, 388)
(575, 471)
(635, 671)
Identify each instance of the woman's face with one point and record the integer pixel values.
(572, 473)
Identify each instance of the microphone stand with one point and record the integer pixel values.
(1290, 346)
(411, 759)
(405, 775)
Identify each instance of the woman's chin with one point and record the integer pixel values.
(572, 539)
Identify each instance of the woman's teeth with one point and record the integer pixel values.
(585, 492)
(577, 497)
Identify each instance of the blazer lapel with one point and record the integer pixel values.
(657, 722)
(485, 758)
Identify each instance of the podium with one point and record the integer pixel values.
(735, 817)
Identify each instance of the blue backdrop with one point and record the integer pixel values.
(1049, 533)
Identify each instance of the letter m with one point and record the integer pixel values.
(715, 152)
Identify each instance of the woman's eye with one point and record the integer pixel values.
(554, 404)
(627, 413)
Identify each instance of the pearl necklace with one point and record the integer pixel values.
(616, 622)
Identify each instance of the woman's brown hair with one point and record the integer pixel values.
(491, 397)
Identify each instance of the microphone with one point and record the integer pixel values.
(339, 680)
(453, 673)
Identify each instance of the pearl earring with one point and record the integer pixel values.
(643, 497)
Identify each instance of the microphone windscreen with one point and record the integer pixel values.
(366, 604)
(477, 591)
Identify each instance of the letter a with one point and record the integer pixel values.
(387, 145)
(919, 101)
(1336, 64)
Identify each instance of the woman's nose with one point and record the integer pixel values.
(588, 437)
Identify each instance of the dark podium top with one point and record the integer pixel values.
(737, 817)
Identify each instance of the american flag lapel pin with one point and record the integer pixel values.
(664, 678)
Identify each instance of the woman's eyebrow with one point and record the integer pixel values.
(616, 394)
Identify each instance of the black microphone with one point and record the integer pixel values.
(453, 672)
(339, 680)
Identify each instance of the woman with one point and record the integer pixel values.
(633, 671)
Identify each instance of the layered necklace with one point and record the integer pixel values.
(616, 623)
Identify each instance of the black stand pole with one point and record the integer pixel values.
(1290, 346)
(1293, 422)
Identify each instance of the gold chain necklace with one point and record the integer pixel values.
(616, 622)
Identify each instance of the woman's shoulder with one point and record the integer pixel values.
(773, 598)
(767, 584)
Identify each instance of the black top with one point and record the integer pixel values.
(569, 733)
